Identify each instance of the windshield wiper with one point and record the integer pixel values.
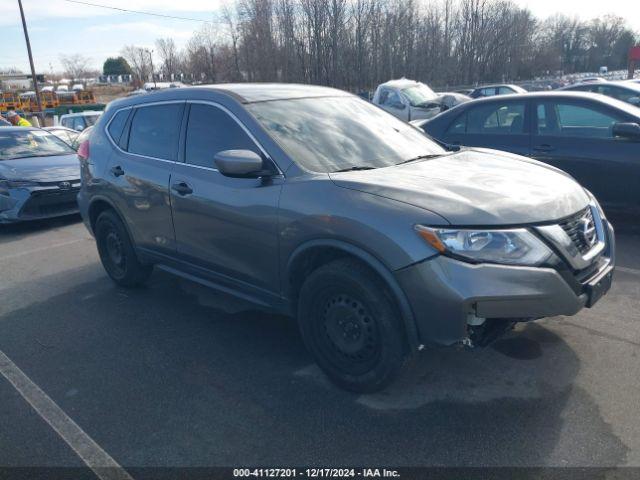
(354, 168)
(422, 157)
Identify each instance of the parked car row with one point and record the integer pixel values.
(594, 138)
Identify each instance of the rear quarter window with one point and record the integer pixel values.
(116, 126)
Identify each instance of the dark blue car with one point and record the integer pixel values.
(594, 138)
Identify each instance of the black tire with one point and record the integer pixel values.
(351, 326)
(116, 251)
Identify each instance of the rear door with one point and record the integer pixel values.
(226, 225)
(140, 171)
(502, 124)
(576, 136)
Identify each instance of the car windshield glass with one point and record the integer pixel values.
(336, 133)
(30, 143)
(419, 95)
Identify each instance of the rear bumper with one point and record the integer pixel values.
(444, 293)
(24, 204)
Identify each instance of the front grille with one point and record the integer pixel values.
(581, 229)
(46, 203)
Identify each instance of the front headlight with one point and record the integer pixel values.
(516, 246)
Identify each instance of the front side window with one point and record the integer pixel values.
(333, 133)
(211, 130)
(30, 143)
(497, 118)
(571, 120)
(579, 121)
(155, 130)
(623, 94)
(392, 99)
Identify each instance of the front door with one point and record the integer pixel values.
(227, 225)
(576, 136)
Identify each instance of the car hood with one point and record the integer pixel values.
(475, 187)
(42, 169)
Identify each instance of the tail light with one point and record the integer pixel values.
(83, 150)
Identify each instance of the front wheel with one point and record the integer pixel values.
(116, 252)
(351, 326)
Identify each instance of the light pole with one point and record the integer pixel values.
(33, 70)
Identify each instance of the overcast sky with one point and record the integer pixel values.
(59, 26)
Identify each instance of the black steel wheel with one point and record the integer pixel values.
(116, 251)
(351, 326)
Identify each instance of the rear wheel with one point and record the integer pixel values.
(116, 251)
(351, 326)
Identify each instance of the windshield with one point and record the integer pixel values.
(336, 133)
(30, 143)
(419, 94)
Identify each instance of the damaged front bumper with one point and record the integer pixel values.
(459, 303)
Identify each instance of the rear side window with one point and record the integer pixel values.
(155, 131)
(117, 124)
(211, 130)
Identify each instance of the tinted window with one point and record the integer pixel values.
(571, 120)
(155, 131)
(620, 93)
(496, 118)
(210, 130)
(459, 125)
(117, 124)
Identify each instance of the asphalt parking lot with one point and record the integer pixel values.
(174, 374)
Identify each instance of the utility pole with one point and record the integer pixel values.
(33, 69)
(153, 77)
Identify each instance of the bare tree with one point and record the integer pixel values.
(139, 59)
(75, 66)
(169, 56)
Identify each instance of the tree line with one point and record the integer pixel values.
(357, 44)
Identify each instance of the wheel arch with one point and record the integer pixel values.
(100, 204)
(312, 254)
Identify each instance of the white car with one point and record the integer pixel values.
(410, 100)
(80, 120)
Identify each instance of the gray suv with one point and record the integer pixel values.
(311, 202)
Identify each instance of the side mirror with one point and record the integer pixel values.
(79, 128)
(397, 105)
(627, 130)
(239, 163)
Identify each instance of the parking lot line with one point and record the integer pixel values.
(105, 467)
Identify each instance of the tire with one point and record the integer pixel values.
(351, 326)
(116, 252)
